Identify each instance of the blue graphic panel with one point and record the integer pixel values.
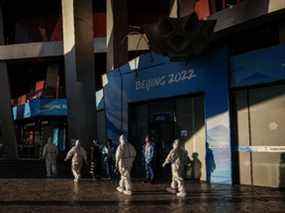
(207, 74)
(49, 107)
(27, 110)
(53, 107)
(55, 139)
(262, 66)
(100, 100)
(14, 112)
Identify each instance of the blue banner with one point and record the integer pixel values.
(41, 107)
(49, 107)
(54, 107)
(156, 77)
(261, 66)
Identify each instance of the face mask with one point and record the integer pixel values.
(147, 140)
(122, 139)
(176, 144)
(77, 143)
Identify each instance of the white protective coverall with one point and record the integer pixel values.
(177, 159)
(50, 152)
(78, 155)
(125, 156)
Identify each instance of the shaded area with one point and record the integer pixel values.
(32, 21)
(259, 124)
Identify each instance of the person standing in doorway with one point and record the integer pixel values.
(149, 156)
(196, 167)
(78, 155)
(177, 159)
(110, 160)
(125, 156)
(49, 154)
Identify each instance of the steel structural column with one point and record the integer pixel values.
(79, 69)
(8, 135)
(117, 31)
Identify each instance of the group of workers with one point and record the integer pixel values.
(124, 158)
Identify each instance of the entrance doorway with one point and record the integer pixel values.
(164, 120)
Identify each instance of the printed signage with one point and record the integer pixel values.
(164, 80)
(261, 148)
(184, 133)
(162, 117)
(54, 106)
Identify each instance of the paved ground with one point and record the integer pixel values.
(38, 195)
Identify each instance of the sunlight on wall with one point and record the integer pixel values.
(197, 143)
(275, 5)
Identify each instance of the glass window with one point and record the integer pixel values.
(2, 143)
(33, 136)
(29, 146)
(260, 129)
(59, 138)
(3, 146)
(222, 4)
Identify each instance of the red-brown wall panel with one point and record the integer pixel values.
(202, 8)
(99, 25)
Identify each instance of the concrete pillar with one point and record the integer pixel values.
(79, 69)
(117, 29)
(174, 9)
(186, 7)
(181, 8)
(6, 119)
(212, 5)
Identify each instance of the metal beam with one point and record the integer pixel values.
(117, 31)
(8, 136)
(31, 50)
(79, 69)
(55, 49)
(240, 13)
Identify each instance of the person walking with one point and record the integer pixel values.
(177, 159)
(125, 156)
(78, 155)
(49, 154)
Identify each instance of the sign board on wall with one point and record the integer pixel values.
(183, 133)
(165, 80)
(261, 149)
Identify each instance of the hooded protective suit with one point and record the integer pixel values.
(177, 159)
(125, 156)
(50, 152)
(78, 155)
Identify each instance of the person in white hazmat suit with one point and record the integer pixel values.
(125, 156)
(177, 159)
(49, 154)
(78, 155)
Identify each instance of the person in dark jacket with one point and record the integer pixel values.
(108, 155)
(149, 156)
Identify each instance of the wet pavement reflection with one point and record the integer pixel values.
(60, 195)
